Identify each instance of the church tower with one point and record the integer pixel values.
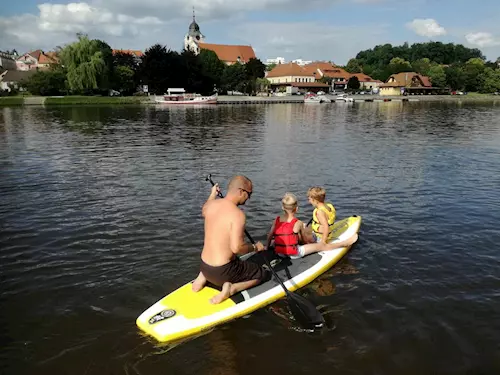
(193, 37)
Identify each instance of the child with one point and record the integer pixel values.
(288, 232)
(323, 216)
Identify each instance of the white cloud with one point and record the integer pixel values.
(482, 39)
(427, 27)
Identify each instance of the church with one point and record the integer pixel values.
(229, 54)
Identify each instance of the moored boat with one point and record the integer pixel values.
(179, 96)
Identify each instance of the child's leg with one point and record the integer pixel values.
(316, 247)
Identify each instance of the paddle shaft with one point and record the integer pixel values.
(209, 178)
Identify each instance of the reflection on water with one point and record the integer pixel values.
(100, 218)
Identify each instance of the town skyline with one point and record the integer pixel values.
(322, 31)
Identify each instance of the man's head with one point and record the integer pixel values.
(240, 187)
(316, 194)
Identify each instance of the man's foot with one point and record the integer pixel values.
(223, 295)
(199, 283)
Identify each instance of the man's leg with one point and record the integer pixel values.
(199, 283)
(228, 289)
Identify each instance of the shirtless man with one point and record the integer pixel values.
(224, 240)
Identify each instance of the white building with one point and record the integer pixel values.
(194, 37)
(276, 61)
(301, 62)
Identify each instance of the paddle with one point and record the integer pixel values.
(304, 312)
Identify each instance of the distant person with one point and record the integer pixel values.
(224, 240)
(291, 237)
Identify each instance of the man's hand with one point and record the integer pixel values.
(215, 191)
(259, 246)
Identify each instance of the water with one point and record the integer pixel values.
(100, 217)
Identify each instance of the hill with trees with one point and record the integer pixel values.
(447, 65)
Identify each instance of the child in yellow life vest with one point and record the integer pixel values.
(323, 216)
(288, 233)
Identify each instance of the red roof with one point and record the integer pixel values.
(230, 53)
(289, 69)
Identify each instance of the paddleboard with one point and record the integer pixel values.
(183, 312)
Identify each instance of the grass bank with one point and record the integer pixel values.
(79, 100)
(11, 101)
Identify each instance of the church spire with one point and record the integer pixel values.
(194, 19)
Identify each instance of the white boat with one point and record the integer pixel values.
(179, 96)
(318, 99)
(344, 98)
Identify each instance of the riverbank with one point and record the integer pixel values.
(229, 99)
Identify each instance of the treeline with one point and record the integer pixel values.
(447, 65)
(89, 67)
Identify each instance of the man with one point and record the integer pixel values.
(224, 240)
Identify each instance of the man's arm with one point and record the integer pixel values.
(323, 221)
(236, 235)
(213, 194)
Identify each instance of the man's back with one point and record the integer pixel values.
(219, 215)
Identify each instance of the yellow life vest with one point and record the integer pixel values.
(330, 214)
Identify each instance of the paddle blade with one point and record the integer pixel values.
(304, 312)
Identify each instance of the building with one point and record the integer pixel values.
(407, 83)
(294, 75)
(366, 82)
(194, 41)
(338, 76)
(301, 62)
(37, 60)
(7, 61)
(13, 78)
(276, 61)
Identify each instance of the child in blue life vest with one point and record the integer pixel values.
(290, 236)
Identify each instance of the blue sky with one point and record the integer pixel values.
(313, 30)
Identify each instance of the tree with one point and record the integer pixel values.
(86, 64)
(124, 80)
(399, 65)
(353, 66)
(455, 77)
(437, 76)
(353, 83)
(491, 80)
(212, 68)
(161, 69)
(422, 66)
(50, 82)
(255, 69)
(270, 67)
(473, 74)
(234, 78)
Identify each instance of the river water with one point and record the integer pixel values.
(100, 218)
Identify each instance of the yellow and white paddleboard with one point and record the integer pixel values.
(183, 312)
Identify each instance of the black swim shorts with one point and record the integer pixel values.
(235, 271)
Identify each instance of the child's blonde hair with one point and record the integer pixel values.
(318, 193)
(289, 202)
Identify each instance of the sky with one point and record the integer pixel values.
(334, 30)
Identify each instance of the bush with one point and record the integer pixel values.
(11, 101)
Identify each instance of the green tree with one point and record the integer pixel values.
(51, 82)
(399, 65)
(161, 69)
(234, 78)
(270, 67)
(473, 74)
(490, 80)
(437, 76)
(353, 83)
(422, 66)
(354, 66)
(455, 77)
(255, 69)
(124, 80)
(212, 67)
(87, 65)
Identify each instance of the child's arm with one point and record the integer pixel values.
(299, 229)
(270, 234)
(323, 221)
